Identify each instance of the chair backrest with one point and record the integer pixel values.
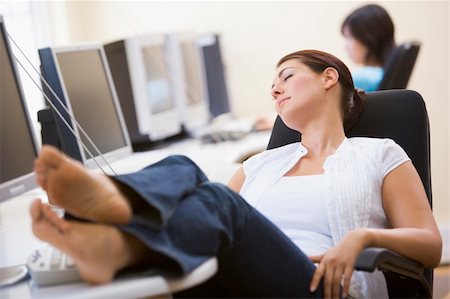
(399, 65)
(397, 114)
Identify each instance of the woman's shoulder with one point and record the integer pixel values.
(368, 78)
(378, 148)
(265, 157)
(368, 71)
(373, 143)
(384, 153)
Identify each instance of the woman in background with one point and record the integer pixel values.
(369, 34)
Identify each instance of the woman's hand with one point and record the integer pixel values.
(336, 265)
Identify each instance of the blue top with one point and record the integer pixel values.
(368, 78)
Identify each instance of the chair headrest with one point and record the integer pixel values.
(399, 65)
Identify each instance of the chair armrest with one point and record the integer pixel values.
(388, 261)
(381, 258)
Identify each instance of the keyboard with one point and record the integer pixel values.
(49, 266)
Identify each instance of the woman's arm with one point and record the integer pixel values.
(237, 180)
(414, 233)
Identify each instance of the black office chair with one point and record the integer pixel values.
(400, 115)
(399, 65)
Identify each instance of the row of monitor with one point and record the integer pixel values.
(127, 92)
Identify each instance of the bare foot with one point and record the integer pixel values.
(98, 250)
(79, 192)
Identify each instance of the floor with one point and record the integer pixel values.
(441, 284)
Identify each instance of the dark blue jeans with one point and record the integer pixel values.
(189, 219)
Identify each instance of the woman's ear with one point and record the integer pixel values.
(330, 77)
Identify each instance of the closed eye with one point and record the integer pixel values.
(287, 77)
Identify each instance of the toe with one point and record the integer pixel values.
(50, 157)
(54, 219)
(35, 210)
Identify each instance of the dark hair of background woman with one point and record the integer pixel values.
(373, 27)
(352, 100)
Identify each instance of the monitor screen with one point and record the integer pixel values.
(157, 79)
(17, 143)
(92, 99)
(186, 72)
(151, 82)
(192, 72)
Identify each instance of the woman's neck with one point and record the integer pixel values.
(323, 141)
(323, 131)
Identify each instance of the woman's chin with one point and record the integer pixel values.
(289, 122)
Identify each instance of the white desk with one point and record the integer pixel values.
(217, 160)
(16, 238)
(17, 241)
(137, 287)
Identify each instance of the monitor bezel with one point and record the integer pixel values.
(156, 125)
(26, 182)
(111, 156)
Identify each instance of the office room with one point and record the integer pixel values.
(251, 38)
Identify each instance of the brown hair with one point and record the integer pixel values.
(352, 100)
(373, 27)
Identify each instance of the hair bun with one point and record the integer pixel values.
(356, 107)
(359, 92)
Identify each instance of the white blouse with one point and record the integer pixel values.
(301, 215)
(353, 175)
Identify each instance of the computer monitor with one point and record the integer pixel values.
(81, 78)
(118, 63)
(211, 56)
(187, 72)
(18, 146)
(149, 82)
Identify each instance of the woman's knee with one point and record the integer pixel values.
(184, 160)
(179, 159)
(222, 195)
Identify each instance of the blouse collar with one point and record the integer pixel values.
(301, 151)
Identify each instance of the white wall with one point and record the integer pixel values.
(256, 34)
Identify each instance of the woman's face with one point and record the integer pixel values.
(356, 50)
(297, 90)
